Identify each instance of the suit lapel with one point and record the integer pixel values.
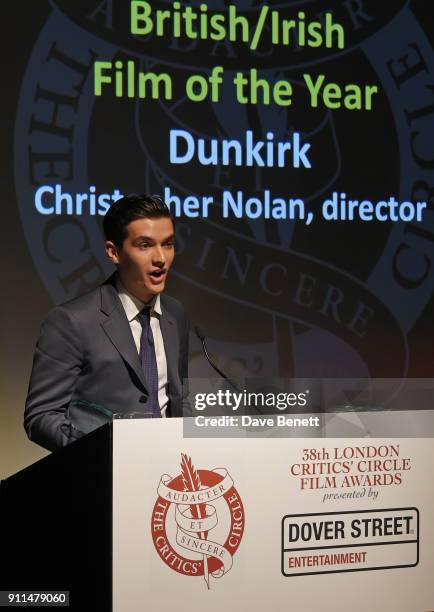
(118, 329)
(169, 331)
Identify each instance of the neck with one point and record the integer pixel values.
(138, 292)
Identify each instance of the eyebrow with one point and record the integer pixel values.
(150, 239)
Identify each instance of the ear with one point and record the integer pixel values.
(112, 251)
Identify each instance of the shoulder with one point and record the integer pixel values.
(87, 305)
(173, 307)
(171, 304)
(82, 303)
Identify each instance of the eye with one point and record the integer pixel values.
(169, 244)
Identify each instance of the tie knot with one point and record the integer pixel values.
(144, 315)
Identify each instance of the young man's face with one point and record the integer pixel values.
(145, 256)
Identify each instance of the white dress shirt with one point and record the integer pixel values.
(133, 307)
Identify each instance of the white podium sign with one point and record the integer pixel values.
(270, 524)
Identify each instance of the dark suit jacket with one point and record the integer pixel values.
(86, 367)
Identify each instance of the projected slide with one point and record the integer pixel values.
(293, 143)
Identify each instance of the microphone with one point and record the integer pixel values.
(201, 335)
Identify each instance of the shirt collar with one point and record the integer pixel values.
(133, 305)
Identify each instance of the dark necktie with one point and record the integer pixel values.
(149, 362)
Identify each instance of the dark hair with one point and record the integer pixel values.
(128, 209)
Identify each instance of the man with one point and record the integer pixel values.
(121, 348)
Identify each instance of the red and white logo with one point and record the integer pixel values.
(198, 521)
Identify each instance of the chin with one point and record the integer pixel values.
(155, 290)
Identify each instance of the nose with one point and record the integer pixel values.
(158, 257)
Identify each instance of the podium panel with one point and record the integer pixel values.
(329, 524)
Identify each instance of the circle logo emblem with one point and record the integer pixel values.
(198, 521)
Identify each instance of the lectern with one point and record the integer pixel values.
(138, 516)
(56, 524)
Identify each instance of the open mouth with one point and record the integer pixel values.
(157, 273)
